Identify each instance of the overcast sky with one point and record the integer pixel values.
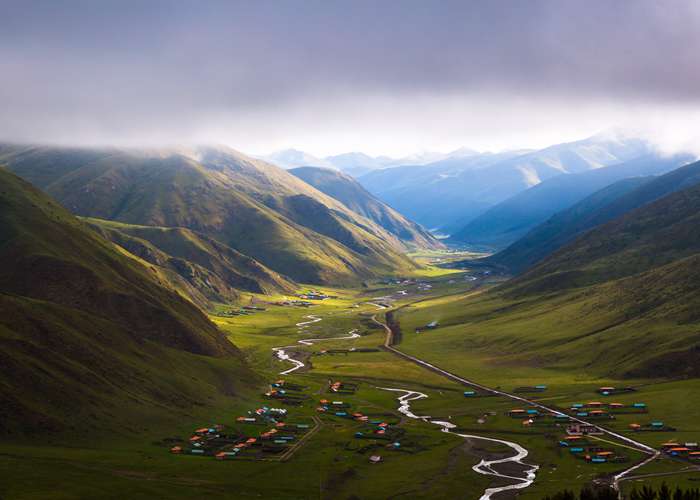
(384, 77)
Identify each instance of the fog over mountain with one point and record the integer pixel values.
(267, 76)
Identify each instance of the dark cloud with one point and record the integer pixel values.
(123, 68)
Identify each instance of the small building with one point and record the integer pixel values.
(578, 429)
(375, 459)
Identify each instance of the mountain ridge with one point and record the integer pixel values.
(88, 334)
(253, 207)
(355, 197)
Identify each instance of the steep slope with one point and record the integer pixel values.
(451, 193)
(654, 235)
(212, 271)
(86, 332)
(351, 194)
(511, 219)
(562, 227)
(253, 207)
(597, 209)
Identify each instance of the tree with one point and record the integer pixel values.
(664, 492)
(647, 494)
(588, 494)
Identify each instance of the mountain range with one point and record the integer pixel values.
(350, 193)
(608, 288)
(639, 271)
(600, 207)
(255, 209)
(511, 219)
(90, 335)
(449, 194)
(358, 163)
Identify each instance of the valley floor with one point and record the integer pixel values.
(334, 461)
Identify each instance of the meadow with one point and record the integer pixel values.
(333, 463)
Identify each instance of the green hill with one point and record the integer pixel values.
(88, 336)
(621, 300)
(562, 227)
(204, 269)
(597, 209)
(350, 193)
(634, 284)
(651, 236)
(255, 208)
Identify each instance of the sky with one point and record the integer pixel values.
(388, 77)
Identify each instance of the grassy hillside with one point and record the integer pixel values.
(212, 271)
(511, 219)
(562, 227)
(253, 207)
(654, 235)
(601, 207)
(350, 193)
(88, 335)
(621, 300)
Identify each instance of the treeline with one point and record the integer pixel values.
(645, 493)
(392, 321)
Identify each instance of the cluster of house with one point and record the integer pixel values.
(297, 303)
(316, 295)
(225, 444)
(243, 311)
(343, 409)
(287, 393)
(612, 391)
(604, 410)
(381, 430)
(580, 446)
(473, 393)
(688, 451)
(338, 408)
(246, 436)
(398, 281)
(342, 387)
(656, 425)
(233, 312)
(530, 388)
(531, 416)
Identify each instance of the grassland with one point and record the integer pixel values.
(333, 463)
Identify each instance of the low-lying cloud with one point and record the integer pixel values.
(332, 76)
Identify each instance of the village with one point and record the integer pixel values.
(271, 433)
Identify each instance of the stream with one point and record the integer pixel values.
(484, 467)
(281, 352)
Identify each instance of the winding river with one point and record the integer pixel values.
(484, 467)
(281, 352)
